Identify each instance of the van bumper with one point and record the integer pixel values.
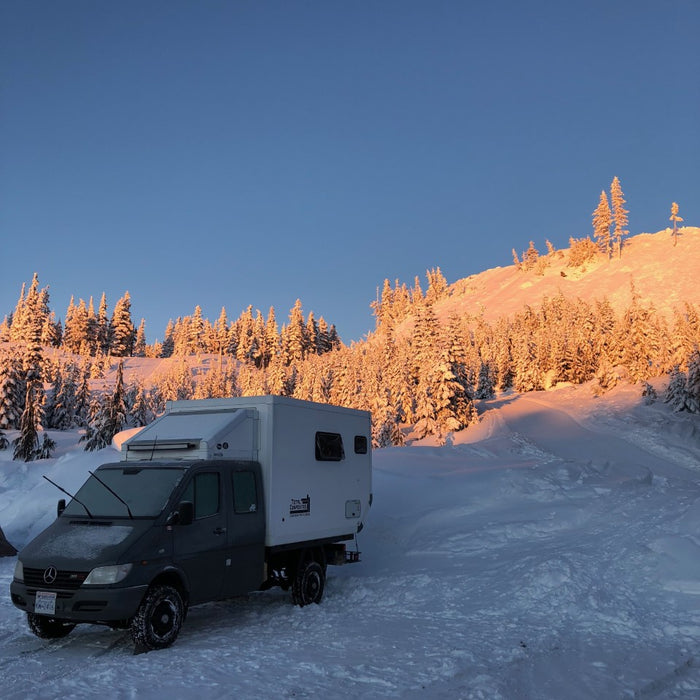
(93, 604)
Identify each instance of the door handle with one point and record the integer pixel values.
(220, 531)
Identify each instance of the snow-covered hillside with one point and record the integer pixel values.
(662, 274)
(552, 551)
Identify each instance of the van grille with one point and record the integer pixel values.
(66, 580)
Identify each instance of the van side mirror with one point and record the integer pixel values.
(185, 513)
(60, 507)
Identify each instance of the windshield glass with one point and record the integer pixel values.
(145, 489)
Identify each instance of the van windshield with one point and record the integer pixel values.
(145, 489)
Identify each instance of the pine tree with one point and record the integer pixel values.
(294, 340)
(108, 416)
(619, 215)
(12, 388)
(692, 386)
(27, 443)
(123, 334)
(675, 394)
(676, 219)
(140, 342)
(169, 340)
(602, 221)
(104, 327)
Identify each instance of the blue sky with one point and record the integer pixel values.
(226, 153)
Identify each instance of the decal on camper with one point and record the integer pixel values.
(300, 506)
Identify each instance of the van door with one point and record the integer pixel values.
(246, 532)
(200, 548)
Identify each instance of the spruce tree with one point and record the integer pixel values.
(123, 334)
(675, 394)
(27, 443)
(676, 219)
(140, 342)
(12, 388)
(602, 221)
(619, 213)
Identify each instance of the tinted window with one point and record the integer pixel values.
(360, 445)
(245, 495)
(203, 491)
(145, 489)
(329, 447)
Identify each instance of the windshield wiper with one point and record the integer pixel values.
(114, 493)
(90, 515)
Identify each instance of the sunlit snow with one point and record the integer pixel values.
(552, 551)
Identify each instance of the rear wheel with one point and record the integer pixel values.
(309, 583)
(48, 627)
(159, 618)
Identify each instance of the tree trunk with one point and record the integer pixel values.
(6, 549)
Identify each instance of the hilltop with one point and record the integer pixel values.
(663, 275)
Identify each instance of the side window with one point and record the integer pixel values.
(360, 444)
(329, 447)
(245, 494)
(203, 491)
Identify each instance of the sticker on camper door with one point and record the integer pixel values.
(300, 506)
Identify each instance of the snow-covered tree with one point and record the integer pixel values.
(12, 390)
(140, 342)
(675, 394)
(107, 415)
(123, 334)
(619, 214)
(27, 444)
(602, 222)
(676, 220)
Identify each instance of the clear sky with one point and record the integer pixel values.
(234, 153)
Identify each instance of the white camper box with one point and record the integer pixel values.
(311, 492)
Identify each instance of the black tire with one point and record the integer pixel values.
(308, 583)
(48, 627)
(158, 619)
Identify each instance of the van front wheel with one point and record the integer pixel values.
(158, 619)
(47, 627)
(308, 583)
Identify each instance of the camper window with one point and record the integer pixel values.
(329, 447)
(360, 444)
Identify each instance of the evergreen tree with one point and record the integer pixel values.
(602, 222)
(12, 388)
(27, 444)
(675, 394)
(294, 340)
(619, 215)
(104, 327)
(140, 342)
(107, 416)
(692, 386)
(123, 335)
(76, 336)
(484, 387)
(169, 341)
(676, 219)
(221, 332)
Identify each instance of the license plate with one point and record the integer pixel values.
(45, 603)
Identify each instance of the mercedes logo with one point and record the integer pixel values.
(50, 575)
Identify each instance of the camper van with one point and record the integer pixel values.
(215, 498)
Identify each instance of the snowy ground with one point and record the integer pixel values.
(553, 551)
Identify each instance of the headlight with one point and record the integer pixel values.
(19, 571)
(105, 575)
